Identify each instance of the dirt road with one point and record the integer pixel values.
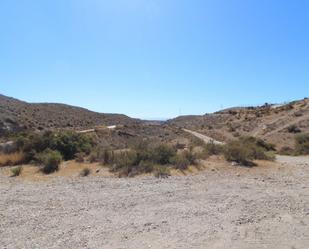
(239, 208)
(203, 137)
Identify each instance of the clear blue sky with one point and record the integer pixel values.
(154, 58)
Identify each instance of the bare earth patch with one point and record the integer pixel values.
(220, 207)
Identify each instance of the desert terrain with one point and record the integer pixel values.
(90, 180)
(222, 206)
(274, 123)
(154, 124)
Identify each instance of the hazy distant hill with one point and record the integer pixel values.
(17, 115)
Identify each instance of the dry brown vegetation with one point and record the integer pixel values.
(11, 159)
(140, 147)
(275, 124)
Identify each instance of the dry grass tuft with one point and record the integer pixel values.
(11, 159)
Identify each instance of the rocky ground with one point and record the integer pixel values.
(276, 124)
(232, 208)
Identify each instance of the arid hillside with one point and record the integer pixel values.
(277, 124)
(16, 116)
(19, 115)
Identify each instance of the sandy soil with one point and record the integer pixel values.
(225, 207)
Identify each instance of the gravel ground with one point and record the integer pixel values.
(212, 209)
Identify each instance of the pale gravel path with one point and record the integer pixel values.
(209, 210)
(203, 137)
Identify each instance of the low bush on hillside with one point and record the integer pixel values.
(293, 129)
(16, 171)
(102, 155)
(180, 162)
(125, 162)
(263, 144)
(162, 154)
(194, 141)
(49, 161)
(80, 157)
(302, 144)
(247, 149)
(146, 158)
(184, 159)
(161, 172)
(67, 143)
(286, 150)
(146, 166)
(213, 149)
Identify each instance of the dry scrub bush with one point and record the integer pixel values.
(80, 157)
(85, 172)
(302, 144)
(142, 158)
(247, 149)
(67, 143)
(286, 150)
(213, 149)
(49, 161)
(180, 162)
(16, 171)
(11, 159)
(161, 172)
(293, 129)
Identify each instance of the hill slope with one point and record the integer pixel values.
(19, 115)
(275, 123)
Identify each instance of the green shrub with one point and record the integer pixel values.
(190, 156)
(102, 155)
(146, 166)
(302, 144)
(49, 161)
(68, 143)
(163, 153)
(180, 162)
(107, 157)
(126, 165)
(213, 149)
(184, 159)
(124, 162)
(247, 149)
(16, 171)
(85, 172)
(33, 143)
(139, 159)
(237, 152)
